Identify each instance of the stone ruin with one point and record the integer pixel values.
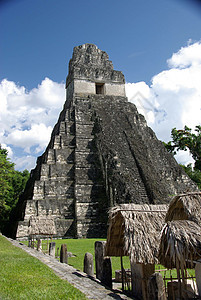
(101, 153)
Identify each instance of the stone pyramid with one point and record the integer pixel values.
(101, 153)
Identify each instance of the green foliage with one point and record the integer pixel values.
(183, 140)
(25, 277)
(6, 173)
(12, 184)
(194, 174)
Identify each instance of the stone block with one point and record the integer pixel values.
(50, 156)
(156, 287)
(88, 264)
(86, 210)
(44, 172)
(63, 254)
(65, 227)
(106, 277)
(38, 192)
(140, 274)
(84, 130)
(57, 142)
(115, 89)
(84, 143)
(52, 249)
(82, 159)
(99, 258)
(62, 127)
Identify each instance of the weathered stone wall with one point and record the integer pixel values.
(115, 89)
(84, 87)
(136, 166)
(90, 197)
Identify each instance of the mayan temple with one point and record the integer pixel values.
(101, 153)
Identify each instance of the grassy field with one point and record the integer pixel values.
(25, 277)
(79, 247)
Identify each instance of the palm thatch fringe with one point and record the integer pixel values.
(41, 226)
(180, 242)
(134, 230)
(185, 207)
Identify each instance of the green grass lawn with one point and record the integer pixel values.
(79, 247)
(25, 277)
(171, 274)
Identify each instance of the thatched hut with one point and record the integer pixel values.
(134, 231)
(181, 236)
(180, 244)
(185, 207)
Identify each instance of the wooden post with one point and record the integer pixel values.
(179, 278)
(39, 245)
(198, 276)
(32, 241)
(47, 244)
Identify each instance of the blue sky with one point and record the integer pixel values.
(37, 40)
(37, 37)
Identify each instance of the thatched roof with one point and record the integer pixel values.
(41, 225)
(180, 242)
(185, 207)
(134, 230)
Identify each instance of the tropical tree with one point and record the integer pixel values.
(187, 140)
(12, 184)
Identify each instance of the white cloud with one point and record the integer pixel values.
(186, 56)
(27, 117)
(38, 134)
(25, 162)
(174, 97)
(143, 97)
(184, 157)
